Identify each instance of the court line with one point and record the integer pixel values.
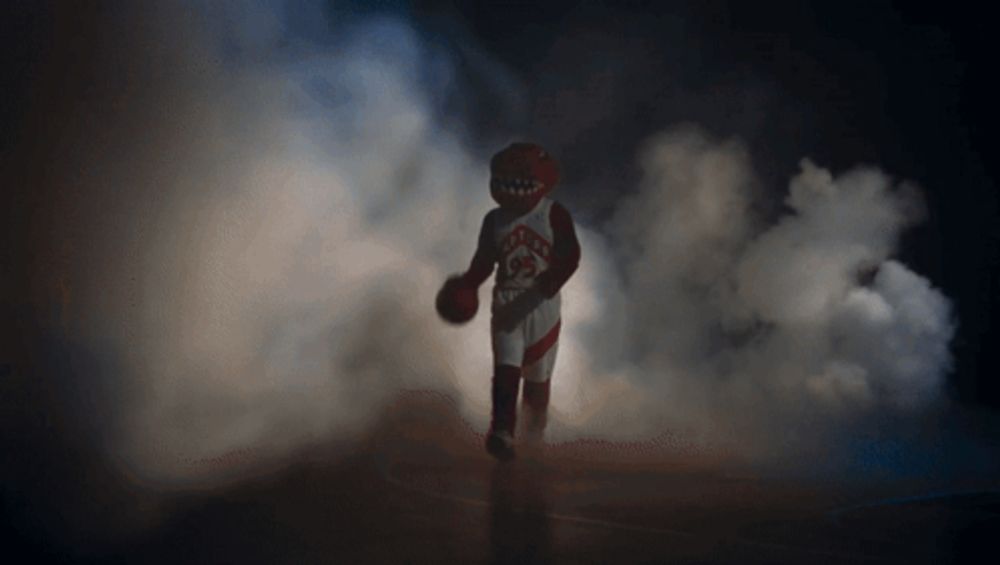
(386, 474)
(837, 513)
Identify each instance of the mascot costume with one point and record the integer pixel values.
(531, 239)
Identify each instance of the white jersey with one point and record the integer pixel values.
(523, 244)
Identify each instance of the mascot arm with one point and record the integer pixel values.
(565, 252)
(485, 258)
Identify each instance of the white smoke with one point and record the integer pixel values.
(312, 205)
(737, 326)
(327, 209)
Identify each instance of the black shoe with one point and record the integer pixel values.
(500, 445)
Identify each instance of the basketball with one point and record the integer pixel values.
(456, 303)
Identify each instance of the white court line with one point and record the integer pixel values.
(386, 473)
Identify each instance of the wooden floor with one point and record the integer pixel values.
(421, 490)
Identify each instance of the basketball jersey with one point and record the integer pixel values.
(523, 247)
(523, 244)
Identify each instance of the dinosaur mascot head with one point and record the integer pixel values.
(520, 175)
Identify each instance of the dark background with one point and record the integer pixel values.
(902, 86)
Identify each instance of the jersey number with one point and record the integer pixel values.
(522, 267)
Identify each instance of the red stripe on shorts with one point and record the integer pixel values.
(542, 346)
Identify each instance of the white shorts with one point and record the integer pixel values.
(532, 344)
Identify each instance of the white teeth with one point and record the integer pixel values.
(518, 187)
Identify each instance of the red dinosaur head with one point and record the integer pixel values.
(521, 175)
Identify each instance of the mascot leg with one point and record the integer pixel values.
(537, 386)
(536, 406)
(506, 382)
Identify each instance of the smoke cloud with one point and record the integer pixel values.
(737, 326)
(261, 267)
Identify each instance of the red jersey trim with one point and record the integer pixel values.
(542, 346)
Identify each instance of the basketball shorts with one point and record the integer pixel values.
(532, 343)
